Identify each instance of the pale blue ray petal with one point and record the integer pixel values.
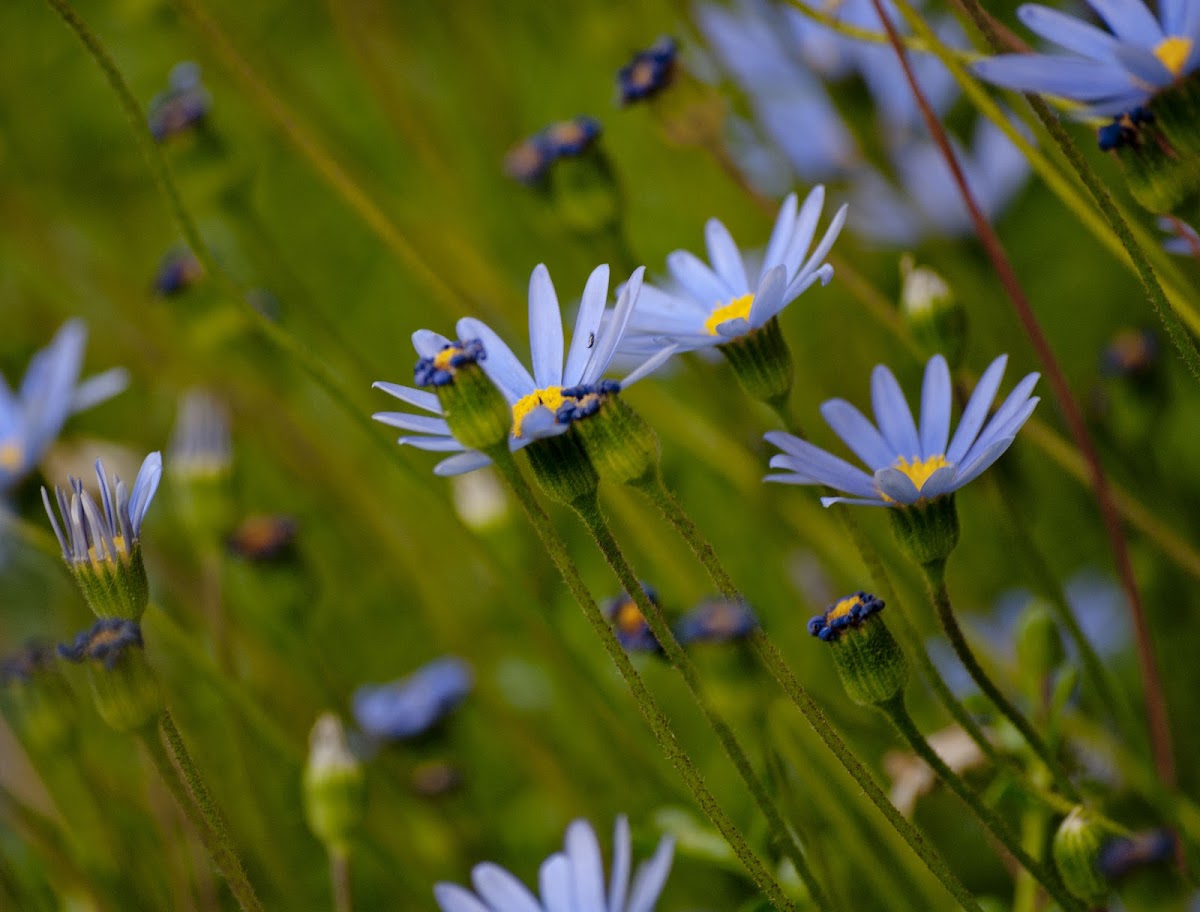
(1113, 106)
(853, 501)
(940, 482)
(428, 343)
(1179, 17)
(731, 329)
(649, 366)
(804, 281)
(804, 229)
(976, 411)
(827, 241)
(618, 882)
(725, 257)
(892, 415)
(650, 878)
(825, 468)
(545, 329)
(768, 299)
(1144, 65)
(936, 396)
(587, 869)
(587, 325)
(1130, 20)
(896, 485)
(657, 300)
(453, 898)
(407, 421)
(789, 478)
(461, 463)
(698, 280)
(554, 882)
(419, 398)
(499, 362)
(983, 461)
(1081, 80)
(144, 488)
(658, 323)
(997, 431)
(432, 444)
(858, 433)
(1014, 402)
(501, 890)
(100, 388)
(611, 335)
(1068, 32)
(781, 234)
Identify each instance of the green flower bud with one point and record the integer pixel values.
(201, 465)
(37, 702)
(928, 530)
(124, 686)
(1039, 643)
(562, 467)
(763, 363)
(1076, 852)
(869, 661)
(478, 414)
(620, 444)
(334, 786)
(932, 312)
(1159, 148)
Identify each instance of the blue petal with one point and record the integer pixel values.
(725, 257)
(892, 415)
(622, 863)
(1068, 32)
(1069, 77)
(95, 390)
(1145, 66)
(419, 398)
(896, 485)
(545, 329)
(768, 297)
(781, 234)
(827, 241)
(611, 336)
(997, 431)
(432, 444)
(428, 343)
(499, 363)
(650, 878)
(821, 466)
(453, 898)
(983, 461)
(858, 433)
(649, 366)
(1129, 20)
(144, 488)
(976, 411)
(587, 325)
(698, 280)
(587, 869)
(805, 228)
(500, 890)
(854, 501)
(461, 463)
(409, 422)
(1180, 17)
(936, 396)
(943, 481)
(554, 882)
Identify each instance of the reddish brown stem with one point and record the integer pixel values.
(1156, 713)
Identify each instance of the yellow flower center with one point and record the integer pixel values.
(11, 455)
(738, 308)
(551, 397)
(842, 608)
(442, 359)
(629, 619)
(1174, 52)
(100, 558)
(919, 470)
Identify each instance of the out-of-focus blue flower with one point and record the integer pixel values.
(910, 464)
(633, 633)
(569, 881)
(1131, 352)
(263, 537)
(1109, 72)
(718, 302)
(1100, 606)
(529, 159)
(49, 393)
(105, 642)
(925, 200)
(649, 72)
(543, 402)
(184, 104)
(111, 532)
(716, 621)
(1184, 240)
(1124, 854)
(412, 705)
(200, 445)
(178, 269)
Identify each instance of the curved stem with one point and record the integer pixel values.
(671, 510)
(940, 597)
(786, 841)
(179, 774)
(896, 711)
(647, 706)
(339, 879)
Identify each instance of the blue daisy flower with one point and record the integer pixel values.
(719, 303)
(629, 624)
(649, 72)
(911, 464)
(49, 393)
(1109, 72)
(539, 398)
(412, 705)
(569, 881)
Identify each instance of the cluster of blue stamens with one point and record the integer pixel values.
(584, 400)
(838, 617)
(105, 642)
(649, 72)
(529, 160)
(1124, 130)
(439, 370)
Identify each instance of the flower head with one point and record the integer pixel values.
(717, 621)
(868, 659)
(543, 403)
(850, 612)
(125, 688)
(411, 706)
(1109, 72)
(529, 160)
(629, 624)
(572, 879)
(649, 72)
(177, 270)
(910, 465)
(106, 642)
(718, 302)
(49, 393)
(200, 445)
(184, 104)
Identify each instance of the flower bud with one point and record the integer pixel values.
(334, 786)
(125, 688)
(562, 467)
(932, 312)
(763, 363)
(478, 414)
(36, 700)
(1159, 148)
(1039, 644)
(201, 464)
(1076, 850)
(928, 530)
(868, 658)
(620, 444)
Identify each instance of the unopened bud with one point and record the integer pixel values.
(1039, 643)
(868, 658)
(334, 787)
(1076, 849)
(932, 312)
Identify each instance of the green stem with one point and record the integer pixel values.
(339, 879)
(647, 706)
(654, 488)
(940, 597)
(896, 711)
(179, 773)
(785, 839)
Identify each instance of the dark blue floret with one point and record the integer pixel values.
(632, 630)
(829, 629)
(1124, 854)
(570, 137)
(648, 72)
(816, 625)
(106, 641)
(439, 370)
(178, 270)
(184, 104)
(1131, 352)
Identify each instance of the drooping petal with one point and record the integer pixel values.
(858, 433)
(725, 257)
(461, 463)
(432, 444)
(853, 501)
(649, 366)
(976, 411)
(420, 398)
(545, 329)
(892, 414)
(587, 325)
(406, 421)
(499, 363)
(936, 396)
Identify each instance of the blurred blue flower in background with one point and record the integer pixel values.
(1109, 72)
(528, 161)
(178, 270)
(184, 104)
(49, 393)
(718, 303)
(569, 881)
(649, 72)
(1130, 352)
(629, 624)
(716, 621)
(411, 706)
(1184, 240)
(909, 464)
